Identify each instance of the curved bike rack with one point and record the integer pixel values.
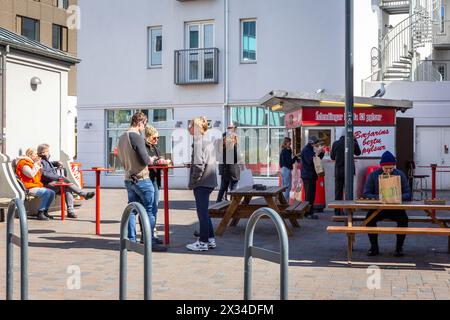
(22, 242)
(145, 250)
(250, 252)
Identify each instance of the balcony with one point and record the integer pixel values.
(197, 66)
(396, 6)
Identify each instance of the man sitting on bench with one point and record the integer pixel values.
(371, 191)
(50, 176)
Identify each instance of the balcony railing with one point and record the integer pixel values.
(432, 70)
(197, 66)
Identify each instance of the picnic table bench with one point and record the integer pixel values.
(242, 207)
(351, 230)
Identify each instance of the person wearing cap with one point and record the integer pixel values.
(308, 172)
(338, 155)
(371, 191)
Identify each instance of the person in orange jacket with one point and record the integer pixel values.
(28, 169)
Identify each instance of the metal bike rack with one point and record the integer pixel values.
(145, 250)
(22, 242)
(250, 252)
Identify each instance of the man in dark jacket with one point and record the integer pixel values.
(309, 175)
(371, 191)
(338, 154)
(51, 176)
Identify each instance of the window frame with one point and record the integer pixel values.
(241, 41)
(150, 64)
(37, 30)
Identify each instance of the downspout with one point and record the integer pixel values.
(5, 52)
(226, 111)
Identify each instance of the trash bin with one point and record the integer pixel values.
(319, 201)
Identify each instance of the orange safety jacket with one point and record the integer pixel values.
(29, 183)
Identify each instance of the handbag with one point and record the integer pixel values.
(390, 189)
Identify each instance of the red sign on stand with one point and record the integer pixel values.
(335, 117)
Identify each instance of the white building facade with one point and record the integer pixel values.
(216, 58)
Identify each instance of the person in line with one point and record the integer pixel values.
(287, 165)
(135, 160)
(308, 172)
(151, 144)
(338, 154)
(371, 191)
(202, 180)
(28, 170)
(230, 162)
(51, 176)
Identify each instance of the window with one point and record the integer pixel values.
(260, 132)
(248, 45)
(29, 28)
(155, 46)
(442, 69)
(442, 20)
(200, 63)
(118, 122)
(60, 37)
(63, 4)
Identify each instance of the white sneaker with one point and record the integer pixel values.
(198, 246)
(212, 243)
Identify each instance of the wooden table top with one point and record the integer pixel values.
(249, 191)
(407, 205)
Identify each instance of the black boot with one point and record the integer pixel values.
(47, 215)
(41, 216)
(373, 251)
(72, 215)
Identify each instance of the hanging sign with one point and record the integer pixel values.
(374, 141)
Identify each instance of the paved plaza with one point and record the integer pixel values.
(317, 270)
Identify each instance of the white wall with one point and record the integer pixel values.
(35, 117)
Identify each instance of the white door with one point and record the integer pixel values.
(200, 62)
(433, 147)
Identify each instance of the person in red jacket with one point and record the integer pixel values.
(29, 171)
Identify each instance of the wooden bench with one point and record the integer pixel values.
(352, 231)
(217, 210)
(410, 219)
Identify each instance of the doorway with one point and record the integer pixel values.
(200, 35)
(432, 146)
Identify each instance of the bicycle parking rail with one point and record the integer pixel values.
(251, 251)
(145, 250)
(22, 242)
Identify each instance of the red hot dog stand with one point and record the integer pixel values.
(322, 115)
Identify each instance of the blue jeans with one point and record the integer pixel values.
(142, 192)
(155, 201)
(201, 195)
(286, 180)
(46, 195)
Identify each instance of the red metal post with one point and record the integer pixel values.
(97, 202)
(63, 203)
(433, 181)
(166, 206)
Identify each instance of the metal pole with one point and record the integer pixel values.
(349, 101)
(16, 204)
(250, 251)
(4, 53)
(125, 244)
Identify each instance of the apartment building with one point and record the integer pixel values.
(412, 57)
(216, 58)
(50, 22)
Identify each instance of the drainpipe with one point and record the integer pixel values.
(5, 52)
(226, 77)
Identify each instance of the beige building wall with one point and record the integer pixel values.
(48, 13)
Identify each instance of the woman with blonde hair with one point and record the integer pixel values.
(202, 180)
(151, 144)
(29, 171)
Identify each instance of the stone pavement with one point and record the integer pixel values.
(318, 268)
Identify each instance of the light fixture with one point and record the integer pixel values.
(179, 124)
(35, 82)
(327, 103)
(88, 125)
(278, 107)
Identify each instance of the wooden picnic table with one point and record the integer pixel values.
(351, 230)
(241, 207)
